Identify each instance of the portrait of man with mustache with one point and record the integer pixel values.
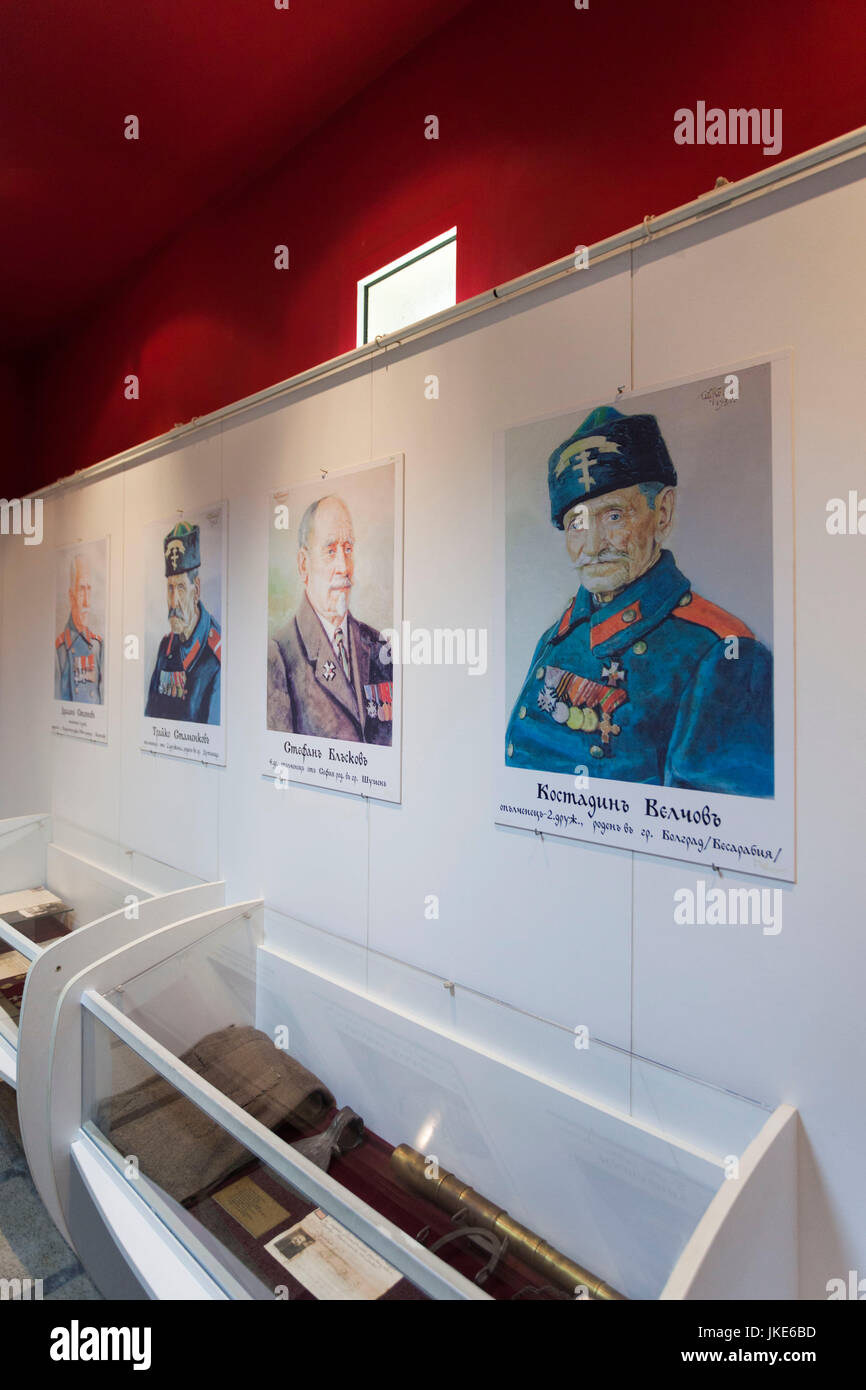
(185, 682)
(326, 673)
(641, 679)
(78, 651)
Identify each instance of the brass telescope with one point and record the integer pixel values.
(452, 1195)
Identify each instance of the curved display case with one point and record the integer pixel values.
(227, 1123)
(50, 890)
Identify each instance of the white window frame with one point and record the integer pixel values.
(417, 254)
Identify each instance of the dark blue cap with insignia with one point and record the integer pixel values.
(607, 451)
(182, 552)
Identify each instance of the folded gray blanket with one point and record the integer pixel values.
(181, 1148)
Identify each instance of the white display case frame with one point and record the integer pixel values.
(743, 1245)
(100, 881)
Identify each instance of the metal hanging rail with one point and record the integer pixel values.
(717, 200)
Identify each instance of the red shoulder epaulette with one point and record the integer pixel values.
(190, 656)
(214, 641)
(566, 618)
(707, 614)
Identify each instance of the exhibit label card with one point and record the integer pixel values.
(251, 1206)
(184, 642)
(647, 671)
(335, 582)
(80, 652)
(332, 1263)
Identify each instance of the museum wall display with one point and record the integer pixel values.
(710, 384)
(335, 589)
(662, 687)
(80, 683)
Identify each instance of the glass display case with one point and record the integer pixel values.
(29, 920)
(55, 881)
(47, 891)
(271, 1133)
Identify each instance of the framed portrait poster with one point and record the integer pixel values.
(335, 582)
(184, 637)
(647, 666)
(80, 642)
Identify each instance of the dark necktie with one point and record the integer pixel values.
(344, 655)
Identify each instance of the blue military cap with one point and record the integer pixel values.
(182, 549)
(607, 451)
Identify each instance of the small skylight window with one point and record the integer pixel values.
(415, 285)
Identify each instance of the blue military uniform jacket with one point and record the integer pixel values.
(78, 658)
(186, 678)
(640, 689)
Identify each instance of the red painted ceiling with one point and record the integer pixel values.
(209, 80)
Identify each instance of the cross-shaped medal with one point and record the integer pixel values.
(607, 728)
(613, 673)
(583, 469)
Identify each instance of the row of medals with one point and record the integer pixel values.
(577, 717)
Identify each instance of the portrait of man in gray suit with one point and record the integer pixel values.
(326, 673)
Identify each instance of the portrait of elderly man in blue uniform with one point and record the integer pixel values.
(641, 679)
(185, 684)
(78, 651)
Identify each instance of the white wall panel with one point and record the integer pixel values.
(781, 1017)
(27, 669)
(540, 923)
(302, 848)
(169, 809)
(85, 783)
